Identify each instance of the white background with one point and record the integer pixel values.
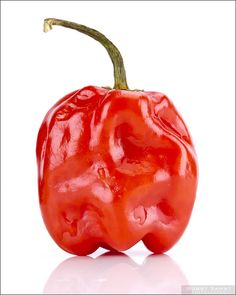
(183, 49)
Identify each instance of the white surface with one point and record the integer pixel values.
(183, 49)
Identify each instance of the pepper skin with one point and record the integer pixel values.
(115, 167)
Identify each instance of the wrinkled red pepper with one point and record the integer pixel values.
(115, 166)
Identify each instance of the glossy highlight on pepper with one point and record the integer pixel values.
(115, 166)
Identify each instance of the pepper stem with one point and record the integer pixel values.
(114, 53)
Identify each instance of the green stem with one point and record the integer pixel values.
(116, 58)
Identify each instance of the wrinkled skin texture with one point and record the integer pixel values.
(115, 167)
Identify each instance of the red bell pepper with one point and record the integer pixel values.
(115, 166)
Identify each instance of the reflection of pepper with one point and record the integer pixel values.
(116, 274)
(115, 166)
